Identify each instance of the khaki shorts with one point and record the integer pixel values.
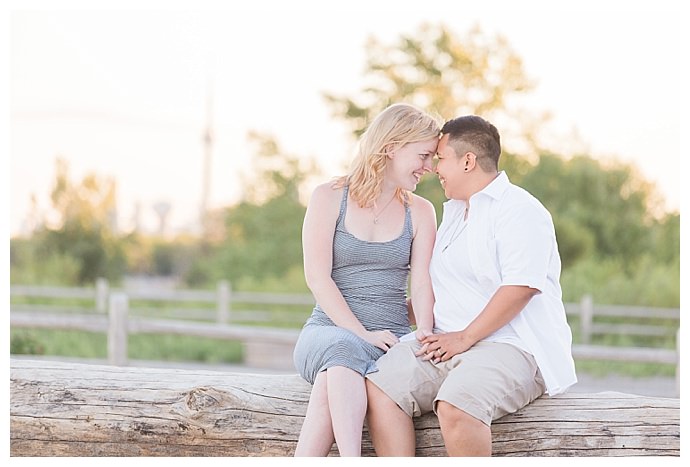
(488, 381)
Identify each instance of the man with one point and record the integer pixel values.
(501, 337)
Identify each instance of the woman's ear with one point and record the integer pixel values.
(389, 150)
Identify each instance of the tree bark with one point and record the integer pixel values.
(67, 409)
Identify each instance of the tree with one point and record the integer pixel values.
(666, 238)
(598, 210)
(475, 74)
(446, 74)
(83, 227)
(261, 236)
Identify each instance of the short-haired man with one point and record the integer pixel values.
(501, 337)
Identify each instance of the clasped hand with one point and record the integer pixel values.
(442, 347)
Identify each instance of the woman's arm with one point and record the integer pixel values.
(422, 295)
(317, 246)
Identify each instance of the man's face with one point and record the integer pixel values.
(448, 169)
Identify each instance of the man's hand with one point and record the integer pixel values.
(443, 347)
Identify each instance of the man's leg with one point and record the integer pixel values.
(463, 434)
(487, 382)
(391, 429)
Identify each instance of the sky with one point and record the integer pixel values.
(121, 91)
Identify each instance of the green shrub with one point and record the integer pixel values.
(26, 343)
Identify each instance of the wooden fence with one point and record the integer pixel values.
(217, 314)
(199, 305)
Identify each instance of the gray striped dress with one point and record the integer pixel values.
(372, 276)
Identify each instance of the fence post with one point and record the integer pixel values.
(223, 309)
(678, 362)
(586, 314)
(101, 295)
(117, 329)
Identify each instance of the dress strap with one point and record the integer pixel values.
(408, 219)
(343, 207)
(343, 202)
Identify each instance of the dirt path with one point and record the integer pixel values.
(656, 386)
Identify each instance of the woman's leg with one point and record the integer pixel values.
(347, 399)
(316, 437)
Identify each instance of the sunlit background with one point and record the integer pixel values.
(173, 147)
(129, 94)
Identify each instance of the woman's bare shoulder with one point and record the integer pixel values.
(420, 204)
(423, 212)
(326, 197)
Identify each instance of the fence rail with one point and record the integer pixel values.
(115, 312)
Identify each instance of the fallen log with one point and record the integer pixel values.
(67, 409)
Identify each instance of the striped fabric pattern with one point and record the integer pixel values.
(372, 276)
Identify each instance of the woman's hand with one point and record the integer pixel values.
(384, 340)
(420, 334)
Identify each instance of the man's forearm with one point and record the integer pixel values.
(506, 304)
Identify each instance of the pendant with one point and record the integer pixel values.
(376, 220)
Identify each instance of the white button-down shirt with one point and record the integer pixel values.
(507, 239)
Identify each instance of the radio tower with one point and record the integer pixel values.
(208, 146)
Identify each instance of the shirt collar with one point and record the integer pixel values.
(494, 190)
(497, 187)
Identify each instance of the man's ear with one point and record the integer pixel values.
(470, 160)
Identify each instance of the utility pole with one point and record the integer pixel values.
(208, 146)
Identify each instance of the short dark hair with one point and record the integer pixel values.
(473, 133)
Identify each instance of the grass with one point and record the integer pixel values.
(216, 351)
(161, 347)
(175, 348)
(602, 368)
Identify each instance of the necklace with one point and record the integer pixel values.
(456, 233)
(376, 216)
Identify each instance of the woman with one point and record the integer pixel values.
(364, 234)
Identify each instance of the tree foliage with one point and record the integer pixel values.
(601, 213)
(614, 241)
(261, 236)
(80, 236)
(444, 73)
(595, 209)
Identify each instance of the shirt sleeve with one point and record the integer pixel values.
(525, 239)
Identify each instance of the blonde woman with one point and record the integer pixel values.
(365, 234)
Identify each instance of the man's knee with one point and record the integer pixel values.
(463, 434)
(451, 416)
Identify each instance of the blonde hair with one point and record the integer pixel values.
(396, 126)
